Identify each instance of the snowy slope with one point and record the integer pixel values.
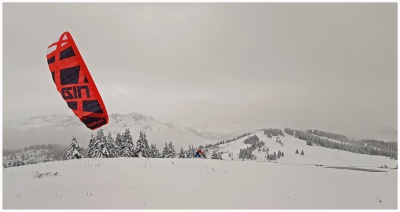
(139, 183)
(313, 154)
(60, 128)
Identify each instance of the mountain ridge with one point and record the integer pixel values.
(158, 132)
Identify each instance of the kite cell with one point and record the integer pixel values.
(74, 82)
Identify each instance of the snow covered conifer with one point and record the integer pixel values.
(97, 145)
(214, 155)
(165, 151)
(111, 147)
(171, 153)
(181, 154)
(190, 152)
(297, 151)
(91, 145)
(152, 153)
(302, 152)
(143, 149)
(74, 152)
(118, 144)
(127, 148)
(156, 152)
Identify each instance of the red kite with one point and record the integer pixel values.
(74, 82)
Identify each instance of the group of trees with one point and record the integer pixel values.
(246, 153)
(168, 151)
(227, 141)
(101, 146)
(297, 152)
(33, 154)
(330, 135)
(275, 156)
(255, 144)
(252, 140)
(273, 132)
(216, 155)
(371, 147)
(190, 153)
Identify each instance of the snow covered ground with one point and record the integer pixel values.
(140, 183)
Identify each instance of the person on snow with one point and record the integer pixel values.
(197, 155)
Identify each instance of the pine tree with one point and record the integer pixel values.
(143, 149)
(302, 152)
(74, 152)
(214, 155)
(91, 146)
(157, 153)
(118, 144)
(165, 151)
(97, 145)
(111, 146)
(127, 148)
(171, 153)
(191, 152)
(181, 154)
(297, 151)
(153, 151)
(282, 154)
(188, 152)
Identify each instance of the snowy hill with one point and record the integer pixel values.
(314, 155)
(59, 129)
(139, 183)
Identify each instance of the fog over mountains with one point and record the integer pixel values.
(59, 129)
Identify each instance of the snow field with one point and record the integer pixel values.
(140, 183)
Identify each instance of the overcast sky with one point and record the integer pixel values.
(323, 66)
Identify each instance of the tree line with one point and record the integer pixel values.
(227, 141)
(371, 147)
(101, 146)
(273, 132)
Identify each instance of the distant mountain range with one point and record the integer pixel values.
(60, 129)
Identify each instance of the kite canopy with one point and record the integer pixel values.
(74, 82)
